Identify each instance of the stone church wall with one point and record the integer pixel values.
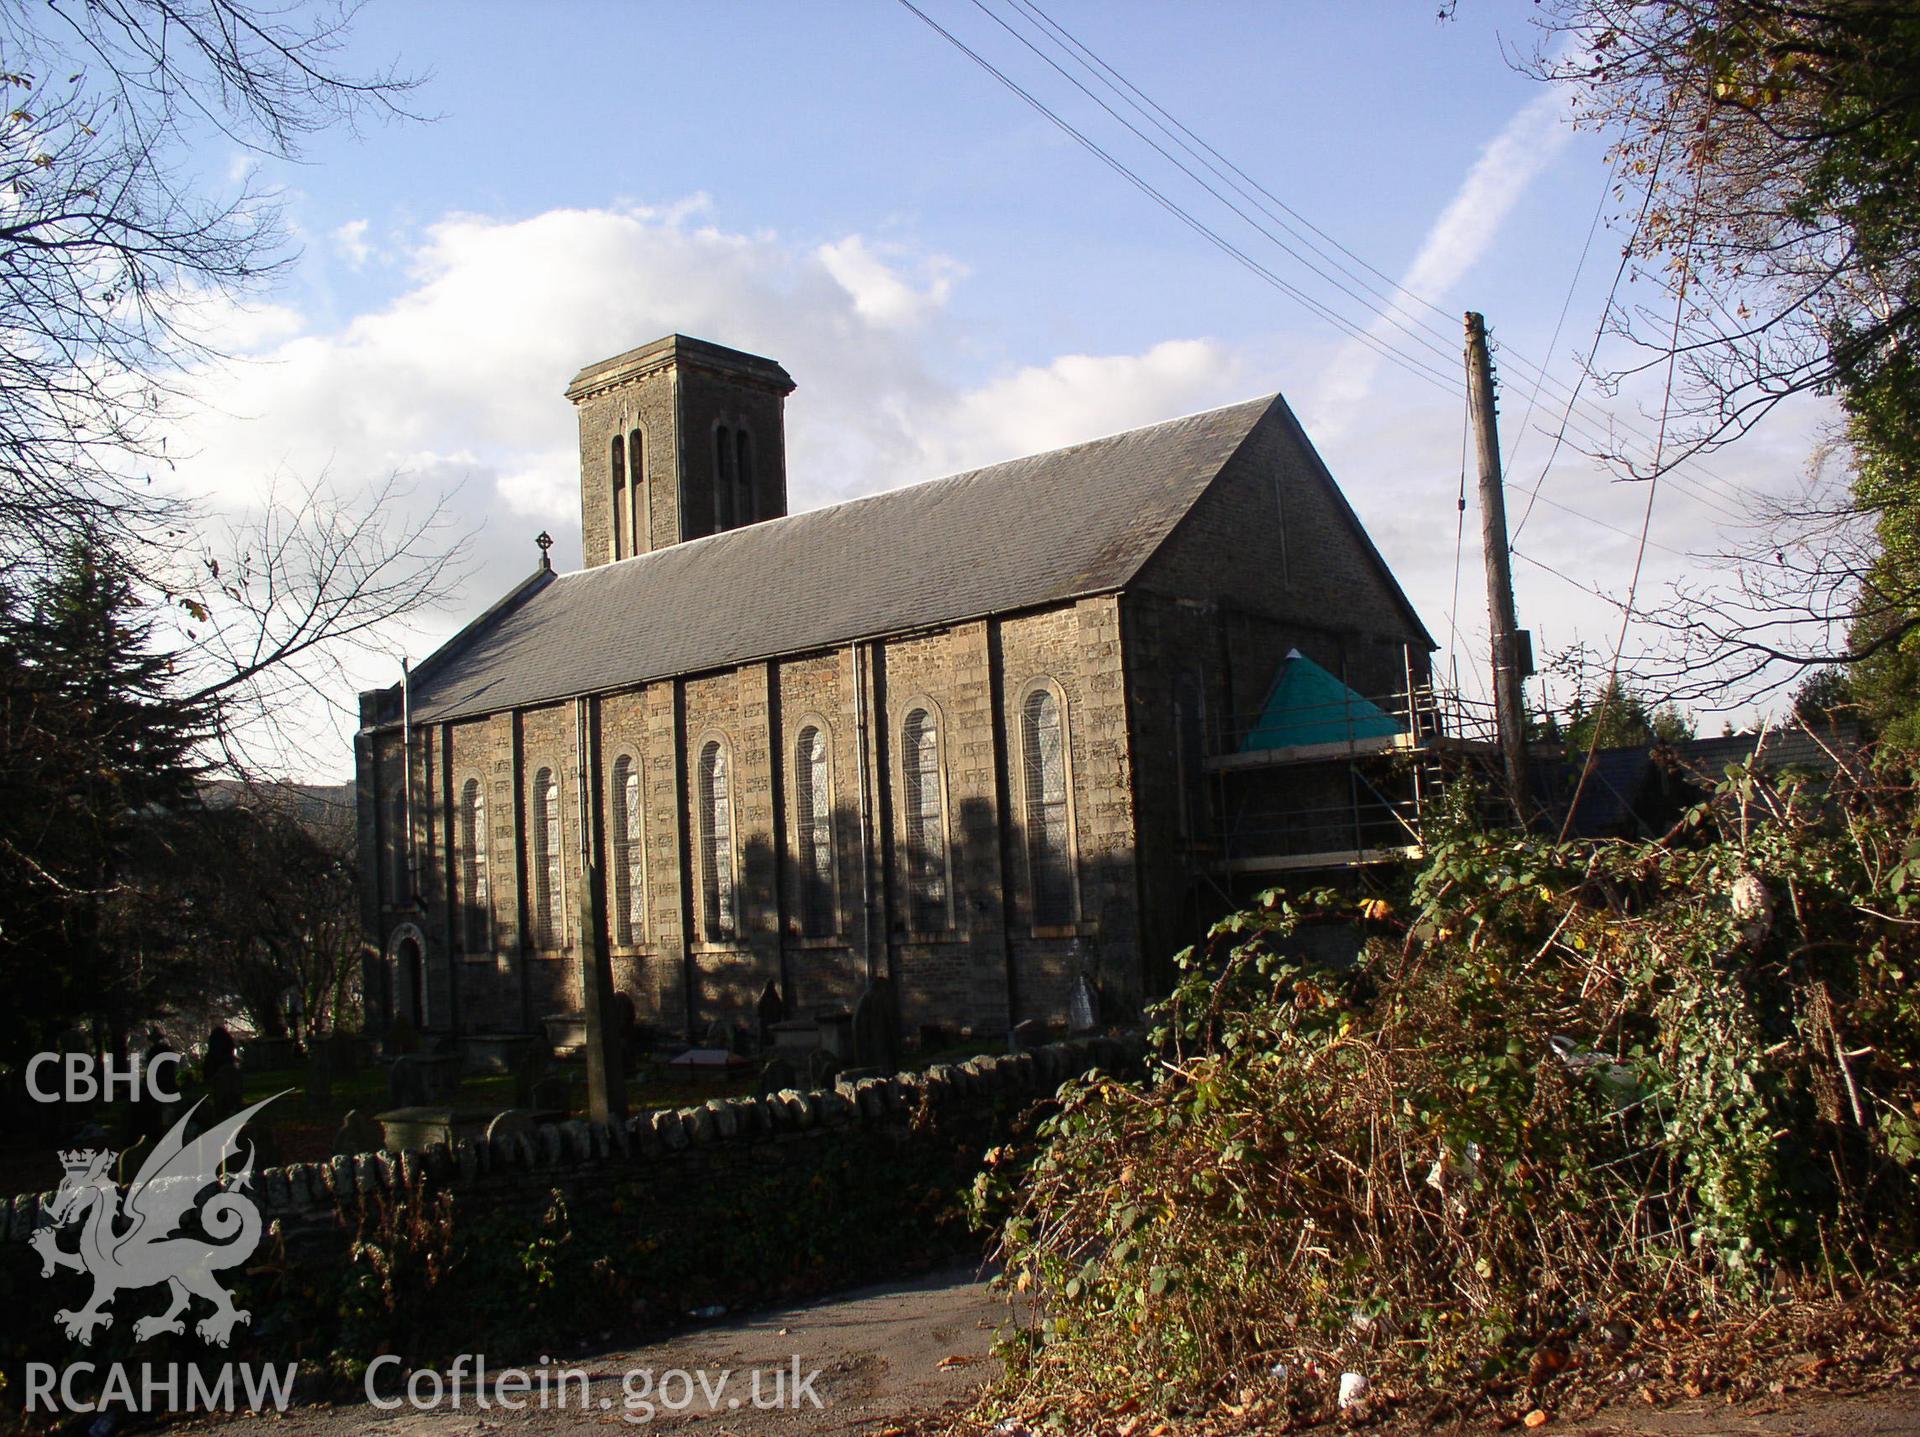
(826, 970)
(1076, 650)
(1218, 608)
(959, 966)
(973, 676)
(730, 969)
(639, 726)
(1272, 536)
(648, 407)
(1267, 560)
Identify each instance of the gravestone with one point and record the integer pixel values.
(406, 1084)
(1083, 1006)
(769, 1011)
(822, 1068)
(836, 1031)
(1030, 1033)
(418, 1079)
(798, 1036)
(529, 1067)
(876, 1028)
(220, 1071)
(512, 1123)
(778, 1075)
(358, 1133)
(566, 1034)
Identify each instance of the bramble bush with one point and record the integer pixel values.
(1564, 1090)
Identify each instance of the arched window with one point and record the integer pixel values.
(548, 925)
(716, 842)
(629, 876)
(1049, 841)
(925, 822)
(622, 501)
(639, 541)
(726, 474)
(475, 911)
(743, 508)
(813, 831)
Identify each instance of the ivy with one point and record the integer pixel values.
(1563, 1084)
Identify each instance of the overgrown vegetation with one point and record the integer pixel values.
(1765, 152)
(1564, 1095)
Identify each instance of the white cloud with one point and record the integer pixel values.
(879, 293)
(456, 383)
(227, 325)
(1077, 397)
(1525, 146)
(350, 243)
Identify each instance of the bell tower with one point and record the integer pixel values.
(678, 439)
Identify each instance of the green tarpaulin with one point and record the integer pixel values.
(1309, 705)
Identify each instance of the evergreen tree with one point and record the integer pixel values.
(1623, 718)
(96, 754)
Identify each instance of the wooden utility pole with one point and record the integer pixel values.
(1510, 663)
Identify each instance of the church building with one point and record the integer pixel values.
(956, 734)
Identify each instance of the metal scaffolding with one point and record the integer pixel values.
(1356, 793)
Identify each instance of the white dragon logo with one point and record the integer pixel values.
(137, 1244)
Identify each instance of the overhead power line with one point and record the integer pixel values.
(1444, 350)
(1438, 378)
(1387, 302)
(1392, 312)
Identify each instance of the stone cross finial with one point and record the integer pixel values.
(545, 541)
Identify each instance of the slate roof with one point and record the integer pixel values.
(1030, 532)
(1788, 746)
(1630, 791)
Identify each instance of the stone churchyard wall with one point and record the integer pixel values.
(579, 1234)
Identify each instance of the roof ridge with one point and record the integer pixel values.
(1265, 401)
(1037, 529)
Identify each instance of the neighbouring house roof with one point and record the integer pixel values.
(1030, 532)
(1641, 791)
(1789, 746)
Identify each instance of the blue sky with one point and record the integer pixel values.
(849, 115)
(949, 278)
